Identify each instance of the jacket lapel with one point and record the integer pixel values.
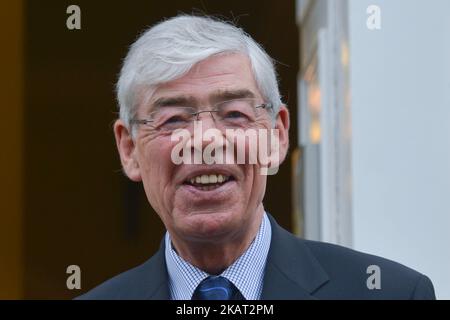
(292, 272)
(154, 280)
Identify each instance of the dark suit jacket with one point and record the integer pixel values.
(295, 269)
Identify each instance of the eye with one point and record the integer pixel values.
(235, 115)
(175, 119)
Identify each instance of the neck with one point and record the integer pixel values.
(215, 257)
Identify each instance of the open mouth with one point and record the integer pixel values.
(207, 182)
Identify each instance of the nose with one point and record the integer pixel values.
(207, 122)
(206, 135)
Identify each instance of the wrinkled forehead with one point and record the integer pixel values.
(219, 77)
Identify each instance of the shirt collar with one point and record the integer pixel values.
(246, 273)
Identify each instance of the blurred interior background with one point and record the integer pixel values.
(368, 90)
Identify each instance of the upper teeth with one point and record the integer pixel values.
(211, 178)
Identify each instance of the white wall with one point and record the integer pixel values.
(400, 82)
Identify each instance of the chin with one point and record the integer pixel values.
(212, 226)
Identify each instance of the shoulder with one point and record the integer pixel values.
(357, 271)
(145, 281)
(329, 271)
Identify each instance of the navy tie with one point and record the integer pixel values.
(217, 288)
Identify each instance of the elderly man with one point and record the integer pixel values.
(220, 243)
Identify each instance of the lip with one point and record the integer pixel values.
(220, 193)
(191, 171)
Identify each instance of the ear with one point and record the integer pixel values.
(282, 124)
(127, 151)
(279, 143)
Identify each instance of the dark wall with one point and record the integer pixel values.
(79, 208)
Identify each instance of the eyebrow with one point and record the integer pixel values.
(189, 101)
(224, 95)
(182, 101)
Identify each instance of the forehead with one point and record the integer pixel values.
(225, 72)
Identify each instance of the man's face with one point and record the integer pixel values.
(196, 211)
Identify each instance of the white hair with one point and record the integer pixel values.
(169, 49)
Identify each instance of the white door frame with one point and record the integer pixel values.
(327, 177)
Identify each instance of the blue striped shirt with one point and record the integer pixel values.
(246, 273)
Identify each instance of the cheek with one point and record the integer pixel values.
(156, 165)
(258, 186)
(259, 149)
